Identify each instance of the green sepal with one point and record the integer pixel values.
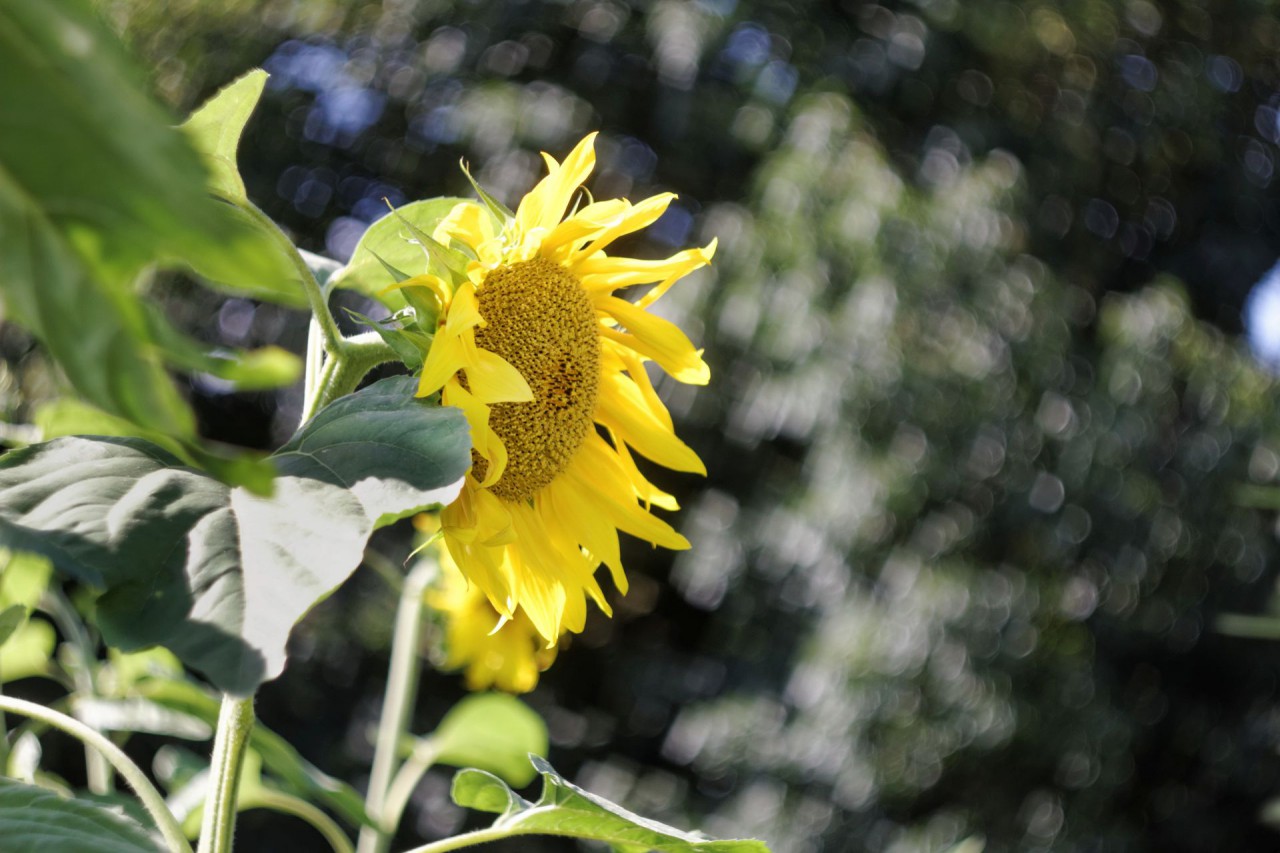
(501, 213)
(410, 345)
(441, 260)
(383, 249)
(425, 304)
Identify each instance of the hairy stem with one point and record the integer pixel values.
(235, 721)
(300, 808)
(151, 799)
(97, 773)
(397, 704)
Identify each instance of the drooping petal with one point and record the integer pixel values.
(597, 471)
(634, 365)
(604, 273)
(491, 377)
(622, 408)
(661, 342)
(464, 311)
(465, 526)
(541, 593)
(576, 512)
(647, 492)
(702, 258)
(444, 360)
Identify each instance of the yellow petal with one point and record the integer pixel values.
(482, 565)
(444, 360)
(434, 284)
(485, 441)
(631, 220)
(583, 225)
(596, 470)
(657, 339)
(491, 377)
(634, 365)
(468, 222)
(576, 511)
(539, 592)
(701, 258)
(647, 492)
(543, 207)
(622, 408)
(601, 272)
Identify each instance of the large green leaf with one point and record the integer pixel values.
(215, 130)
(216, 127)
(381, 444)
(36, 820)
(494, 732)
(95, 186)
(99, 336)
(217, 574)
(388, 242)
(565, 809)
(79, 134)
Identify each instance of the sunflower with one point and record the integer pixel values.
(547, 362)
(508, 657)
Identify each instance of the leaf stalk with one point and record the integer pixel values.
(235, 721)
(397, 705)
(152, 800)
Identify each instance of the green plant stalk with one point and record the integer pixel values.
(335, 364)
(407, 779)
(278, 801)
(235, 721)
(471, 839)
(344, 369)
(397, 703)
(97, 773)
(4, 731)
(152, 800)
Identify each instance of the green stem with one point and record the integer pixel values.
(468, 839)
(397, 703)
(408, 777)
(235, 721)
(279, 801)
(345, 368)
(151, 799)
(97, 773)
(348, 359)
(315, 296)
(4, 732)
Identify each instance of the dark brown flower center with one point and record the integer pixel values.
(540, 320)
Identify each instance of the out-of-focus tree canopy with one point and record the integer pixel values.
(976, 429)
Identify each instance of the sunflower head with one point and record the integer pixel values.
(548, 362)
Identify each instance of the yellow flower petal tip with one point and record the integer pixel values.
(494, 650)
(540, 353)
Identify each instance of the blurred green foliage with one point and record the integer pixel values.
(971, 512)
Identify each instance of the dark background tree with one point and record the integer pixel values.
(978, 420)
